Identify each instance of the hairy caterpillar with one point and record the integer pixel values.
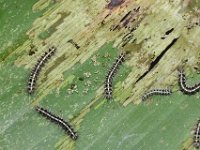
(36, 70)
(65, 125)
(184, 87)
(110, 75)
(156, 92)
(196, 139)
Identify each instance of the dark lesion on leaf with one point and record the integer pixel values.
(157, 60)
(114, 3)
(74, 43)
(32, 50)
(167, 33)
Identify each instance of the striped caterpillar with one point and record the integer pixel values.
(110, 75)
(67, 128)
(156, 92)
(184, 87)
(36, 70)
(196, 139)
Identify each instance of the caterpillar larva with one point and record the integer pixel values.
(184, 87)
(110, 75)
(65, 125)
(36, 70)
(156, 92)
(196, 139)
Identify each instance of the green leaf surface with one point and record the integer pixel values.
(71, 83)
